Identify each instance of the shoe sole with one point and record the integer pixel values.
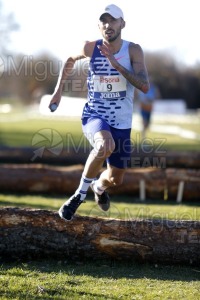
(102, 207)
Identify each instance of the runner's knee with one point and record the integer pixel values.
(116, 180)
(104, 147)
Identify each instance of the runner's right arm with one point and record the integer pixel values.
(66, 70)
(64, 74)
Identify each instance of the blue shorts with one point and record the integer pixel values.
(146, 115)
(120, 157)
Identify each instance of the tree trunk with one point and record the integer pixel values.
(31, 233)
(37, 178)
(191, 180)
(71, 155)
(154, 179)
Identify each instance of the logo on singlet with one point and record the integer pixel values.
(109, 95)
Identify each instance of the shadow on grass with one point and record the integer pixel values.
(26, 205)
(107, 269)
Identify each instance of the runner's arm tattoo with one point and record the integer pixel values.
(138, 77)
(138, 80)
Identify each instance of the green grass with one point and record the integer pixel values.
(97, 280)
(19, 129)
(121, 207)
(58, 279)
(54, 279)
(22, 131)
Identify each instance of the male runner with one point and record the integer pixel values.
(116, 68)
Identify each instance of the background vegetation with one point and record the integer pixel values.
(27, 78)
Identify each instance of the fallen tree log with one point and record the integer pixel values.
(189, 177)
(31, 233)
(182, 159)
(139, 157)
(38, 178)
(27, 155)
(159, 181)
(155, 182)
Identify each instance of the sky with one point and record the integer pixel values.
(59, 27)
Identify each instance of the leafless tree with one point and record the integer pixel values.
(7, 25)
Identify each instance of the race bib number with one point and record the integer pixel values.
(109, 87)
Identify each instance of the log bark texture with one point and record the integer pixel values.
(38, 178)
(191, 179)
(31, 233)
(70, 156)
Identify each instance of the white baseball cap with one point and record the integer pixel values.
(114, 11)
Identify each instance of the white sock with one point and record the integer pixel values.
(83, 187)
(98, 187)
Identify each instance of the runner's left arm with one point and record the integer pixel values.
(139, 76)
